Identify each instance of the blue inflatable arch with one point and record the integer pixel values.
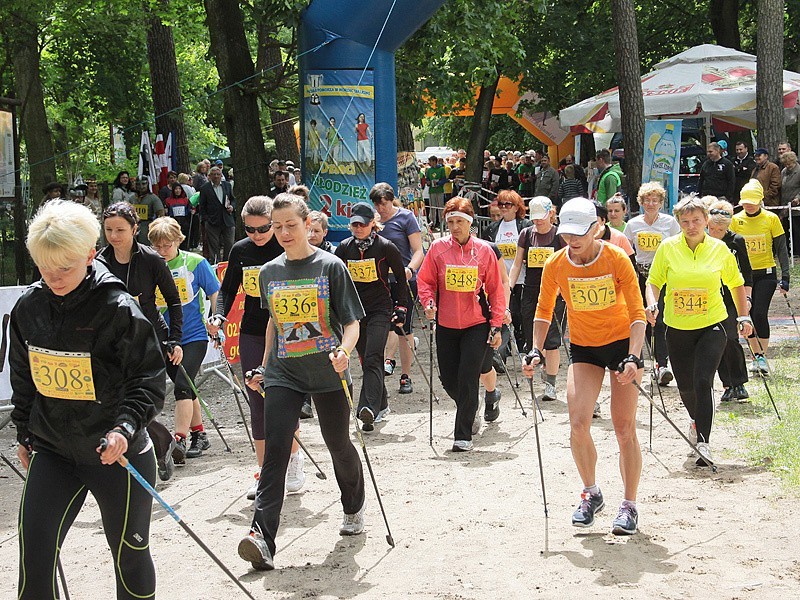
(348, 122)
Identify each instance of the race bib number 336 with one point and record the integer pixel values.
(64, 375)
(296, 304)
(592, 293)
(461, 279)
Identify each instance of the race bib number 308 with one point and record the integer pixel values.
(592, 293)
(461, 279)
(296, 304)
(64, 375)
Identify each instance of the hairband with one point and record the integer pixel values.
(458, 213)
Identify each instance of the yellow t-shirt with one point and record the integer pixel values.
(758, 233)
(693, 297)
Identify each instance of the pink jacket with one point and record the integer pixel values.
(450, 265)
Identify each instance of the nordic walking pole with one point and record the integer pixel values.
(516, 394)
(150, 490)
(320, 474)
(231, 378)
(528, 361)
(58, 560)
(791, 312)
(762, 376)
(431, 325)
(389, 538)
(205, 406)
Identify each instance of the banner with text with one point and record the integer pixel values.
(662, 156)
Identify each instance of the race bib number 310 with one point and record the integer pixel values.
(648, 241)
(296, 304)
(64, 375)
(592, 293)
(461, 279)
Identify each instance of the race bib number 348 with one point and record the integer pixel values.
(461, 279)
(592, 293)
(64, 375)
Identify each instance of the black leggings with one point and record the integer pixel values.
(696, 354)
(281, 413)
(461, 352)
(656, 335)
(193, 355)
(530, 297)
(764, 285)
(732, 369)
(515, 306)
(251, 354)
(54, 493)
(373, 331)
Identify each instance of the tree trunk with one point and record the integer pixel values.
(626, 51)
(724, 17)
(242, 126)
(769, 80)
(269, 55)
(479, 133)
(405, 136)
(166, 88)
(33, 118)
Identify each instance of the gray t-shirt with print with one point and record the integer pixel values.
(309, 300)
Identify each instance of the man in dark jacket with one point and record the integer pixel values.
(769, 175)
(216, 206)
(717, 177)
(743, 165)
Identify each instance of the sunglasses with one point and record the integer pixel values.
(359, 224)
(505, 204)
(719, 211)
(261, 229)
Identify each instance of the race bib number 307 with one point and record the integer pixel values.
(592, 293)
(296, 304)
(461, 279)
(64, 375)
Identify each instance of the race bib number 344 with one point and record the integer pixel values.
(690, 301)
(592, 293)
(64, 375)
(461, 279)
(296, 304)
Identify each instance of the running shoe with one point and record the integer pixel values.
(462, 446)
(753, 368)
(476, 421)
(492, 410)
(405, 384)
(590, 505)
(549, 392)
(251, 492)
(352, 524)
(596, 414)
(739, 393)
(761, 361)
(166, 464)
(692, 432)
(254, 550)
(199, 443)
(705, 452)
(307, 412)
(382, 414)
(367, 419)
(179, 452)
(295, 478)
(416, 342)
(727, 395)
(663, 376)
(388, 366)
(627, 520)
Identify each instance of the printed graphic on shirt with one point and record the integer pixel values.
(300, 309)
(363, 271)
(64, 375)
(592, 293)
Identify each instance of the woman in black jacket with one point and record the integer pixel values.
(85, 365)
(369, 257)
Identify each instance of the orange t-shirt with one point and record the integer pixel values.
(603, 297)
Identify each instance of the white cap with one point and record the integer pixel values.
(577, 216)
(540, 207)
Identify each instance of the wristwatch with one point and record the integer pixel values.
(125, 429)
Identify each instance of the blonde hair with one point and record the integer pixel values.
(165, 229)
(618, 199)
(708, 200)
(319, 217)
(691, 203)
(257, 206)
(300, 190)
(61, 233)
(717, 217)
(651, 188)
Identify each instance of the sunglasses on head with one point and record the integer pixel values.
(719, 211)
(261, 229)
(505, 204)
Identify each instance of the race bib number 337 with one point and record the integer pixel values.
(363, 271)
(592, 293)
(296, 304)
(461, 279)
(64, 375)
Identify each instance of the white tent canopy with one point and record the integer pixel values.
(707, 81)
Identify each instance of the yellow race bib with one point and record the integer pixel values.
(592, 293)
(64, 375)
(538, 255)
(296, 304)
(508, 251)
(143, 211)
(690, 301)
(363, 271)
(648, 241)
(756, 244)
(461, 279)
(250, 283)
(183, 291)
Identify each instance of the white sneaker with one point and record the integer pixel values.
(462, 446)
(693, 432)
(705, 452)
(416, 342)
(295, 478)
(664, 376)
(476, 422)
(382, 414)
(549, 392)
(352, 524)
(251, 493)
